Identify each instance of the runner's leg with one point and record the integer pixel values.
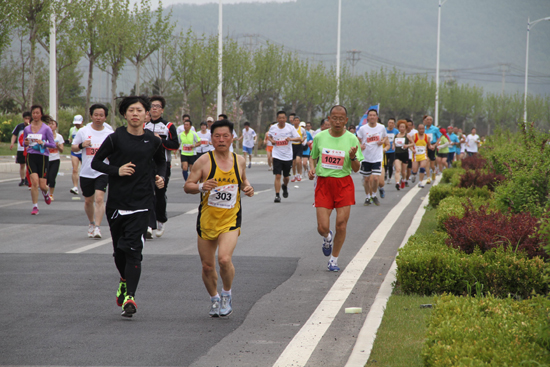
(226, 245)
(342, 217)
(207, 253)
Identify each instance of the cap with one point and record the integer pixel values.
(210, 119)
(78, 120)
(302, 124)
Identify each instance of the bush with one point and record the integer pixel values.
(441, 191)
(474, 162)
(466, 331)
(486, 229)
(427, 266)
(449, 174)
(480, 178)
(453, 206)
(527, 190)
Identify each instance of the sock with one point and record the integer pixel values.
(35, 205)
(277, 194)
(217, 296)
(185, 174)
(373, 195)
(368, 196)
(226, 293)
(328, 237)
(334, 260)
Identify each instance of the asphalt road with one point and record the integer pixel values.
(57, 287)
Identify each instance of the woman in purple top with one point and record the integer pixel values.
(38, 138)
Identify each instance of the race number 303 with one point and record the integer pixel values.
(333, 159)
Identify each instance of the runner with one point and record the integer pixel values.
(390, 153)
(134, 155)
(280, 135)
(410, 134)
(53, 161)
(381, 180)
(20, 158)
(372, 136)
(269, 148)
(221, 175)
(167, 132)
(189, 141)
(462, 138)
(455, 142)
(433, 136)
(38, 137)
(472, 143)
(325, 124)
(307, 144)
(249, 140)
(421, 145)
(206, 140)
(335, 153)
(76, 157)
(298, 151)
(93, 183)
(402, 145)
(443, 149)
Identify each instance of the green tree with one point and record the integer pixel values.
(237, 68)
(207, 70)
(8, 12)
(182, 59)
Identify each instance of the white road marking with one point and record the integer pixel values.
(365, 340)
(194, 211)
(10, 179)
(300, 348)
(89, 247)
(259, 192)
(14, 203)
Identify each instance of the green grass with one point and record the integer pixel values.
(429, 222)
(5, 149)
(402, 333)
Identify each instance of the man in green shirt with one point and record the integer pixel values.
(189, 141)
(334, 154)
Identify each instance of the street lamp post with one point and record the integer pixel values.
(529, 26)
(220, 63)
(337, 100)
(436, 113)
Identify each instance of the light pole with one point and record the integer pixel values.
(337, 100)
(53, 69)
(529, 26)
(436, 113)
(220, 64)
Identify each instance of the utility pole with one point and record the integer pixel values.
(504, 68)
(353, 58)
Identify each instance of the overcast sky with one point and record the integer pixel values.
(165, 3)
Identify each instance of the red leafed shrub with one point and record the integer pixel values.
(480, 178)
(487, 230)
(474, 162)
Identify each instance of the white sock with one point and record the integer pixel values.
(373, 195)
(334, 260)
(368, 196)
(35, 205)
(226, 293)
(217, 296)
(328, 237)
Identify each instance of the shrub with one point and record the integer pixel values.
(466, 331)
(527, 190)
(441, 191)
(6, 129)
(453, 206)
(480, 178)
(450, 173)
(474, 162)
(427, 266)
(486, 229)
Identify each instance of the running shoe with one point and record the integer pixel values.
(327, 244)
(26, 182)
(376, 201)
(74, 190)
(149, 234)
(215, 308)
(429, 181)
(285, 191)
(121, 293)
(129, 307)
(270, 168)
(421, 185)
(403, 184)
(382, 192)
(97, 232)
(225, 307)
(47, 198)
(367, 202)
(293, 179)
(299, 178)
(22, 183)
(407, 183)
(433, 176)
(413, 178)
(34, 211)
(332, 267)
(51, 197)
(91, 231)
(160, 229)
(277, 199)
(249, 165)
(398, 186)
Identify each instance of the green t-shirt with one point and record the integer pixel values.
(188, 142)
(443, 141)
(333, 153)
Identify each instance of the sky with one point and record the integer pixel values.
(166, 3)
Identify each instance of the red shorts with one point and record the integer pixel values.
(334, 192)
(269, 148)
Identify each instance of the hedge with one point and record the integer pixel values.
(486, 331)
(441, 191)
(453, 206)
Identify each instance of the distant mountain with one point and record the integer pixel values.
(475, 34)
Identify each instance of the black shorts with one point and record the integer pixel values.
(190, 159)
(53, 168)
(38, 163)
(90, 185)
(369, 168)
(20, 158)
(128, 232)
(431, 155)
(443, 155)
(282, 166)
(410, 164)
(403, 157)
(297, 151)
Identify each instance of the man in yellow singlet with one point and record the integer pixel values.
(219, 176)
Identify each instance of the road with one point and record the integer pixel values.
(57, 287)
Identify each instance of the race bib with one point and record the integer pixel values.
(53, 151)
(281, 143)
(399, 142)
(420, 150)
(391, 137)
(204, 142)
(224, 196)
(332, 159)
(187, 147)
(33, 138)
(373, 138)
(92, 150)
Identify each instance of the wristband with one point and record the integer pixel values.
(80, 146)
(200, 187)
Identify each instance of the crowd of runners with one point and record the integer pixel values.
(134, 162)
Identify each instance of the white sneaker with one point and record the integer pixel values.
(91, 231)
(413, 178)
(74, 190)
(149, 234)
(97, 232)
(160, 229)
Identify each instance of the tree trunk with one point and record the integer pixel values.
(309, 111)
(114, 78)
(275, 109)
(184, 109)
(89, 88)
(203, 107)
(294, 106)
(138, 72)
(32, 72)
(259, 123)
(237, 117)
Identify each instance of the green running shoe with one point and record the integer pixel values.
(129, 307)
(121, 293)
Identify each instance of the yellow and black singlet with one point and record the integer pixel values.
(220, 208)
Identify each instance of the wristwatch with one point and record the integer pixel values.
(353, 159)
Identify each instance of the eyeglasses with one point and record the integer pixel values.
(156, 106)
(341, 119)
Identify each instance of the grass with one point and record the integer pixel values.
(401, 335)
(5, 149)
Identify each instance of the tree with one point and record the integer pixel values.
(237, 68)
(207, 70)
(182, 59)
(8, 12)
(151, 32)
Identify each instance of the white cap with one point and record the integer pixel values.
(302, 124)
(78, 120)
(209, 118)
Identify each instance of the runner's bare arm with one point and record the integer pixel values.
(246, 187)
(312, 165)
(355, 164)
(199, 172)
